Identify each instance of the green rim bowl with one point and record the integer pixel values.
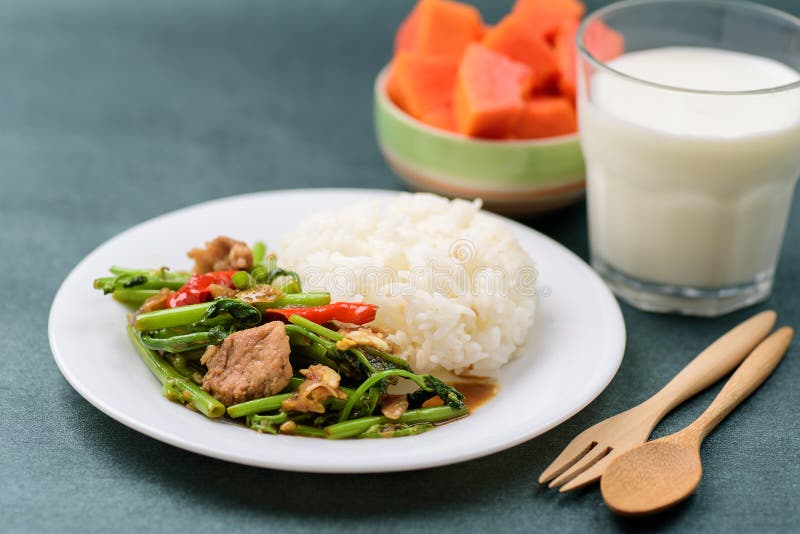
(512, 177)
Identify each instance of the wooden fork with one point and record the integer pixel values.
(587, 456)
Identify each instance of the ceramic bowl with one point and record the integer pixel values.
(515, 177)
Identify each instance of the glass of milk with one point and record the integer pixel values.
(692, 144)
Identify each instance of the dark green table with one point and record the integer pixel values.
(113, 112)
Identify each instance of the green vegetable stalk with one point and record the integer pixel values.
(356, 427)
(194, 313)
(259, 252)
(266, 423)
(140, 279)
(177, 388)
(392, 430)
(267, 404)
(186, 342)
(133, 297)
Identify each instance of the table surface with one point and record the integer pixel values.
(113, 112)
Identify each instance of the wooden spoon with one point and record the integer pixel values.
(663, 472)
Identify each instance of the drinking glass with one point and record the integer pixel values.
(692, 146)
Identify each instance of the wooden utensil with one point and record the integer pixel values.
(663, 472)
(587, 456)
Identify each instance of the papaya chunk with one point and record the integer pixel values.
(419, 84)
(603, 42)
(513, 38)
(394, 90)
(546, 116)
(440, 28)
(566, 57)
(488, 98)
(544, 16)
(442, 118)
(406, 35)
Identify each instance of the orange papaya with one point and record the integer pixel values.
(441, 118)
(566, 57)
(488, 97)
(512, 38)
(406, 36)
(419, 84)
(546, 117)
(440, 28)
(544, 16)
(603, 42)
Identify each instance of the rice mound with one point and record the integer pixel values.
(434, 267)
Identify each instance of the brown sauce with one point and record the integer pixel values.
(476, 393)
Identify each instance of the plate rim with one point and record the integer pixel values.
(184, 443)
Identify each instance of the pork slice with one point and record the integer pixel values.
(249, 364)
(222, 254)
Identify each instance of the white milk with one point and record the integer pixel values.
(690, 189)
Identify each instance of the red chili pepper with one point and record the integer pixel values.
(196, 289)
(345, 312)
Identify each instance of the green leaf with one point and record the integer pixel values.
(243, 314)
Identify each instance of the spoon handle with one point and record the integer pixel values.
(751, 374)
(716, 361)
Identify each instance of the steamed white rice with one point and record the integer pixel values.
(454, 286)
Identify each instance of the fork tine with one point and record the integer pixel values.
(596, 455)
(592, 474)
(573, 452)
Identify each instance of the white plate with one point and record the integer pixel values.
(572, 353)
